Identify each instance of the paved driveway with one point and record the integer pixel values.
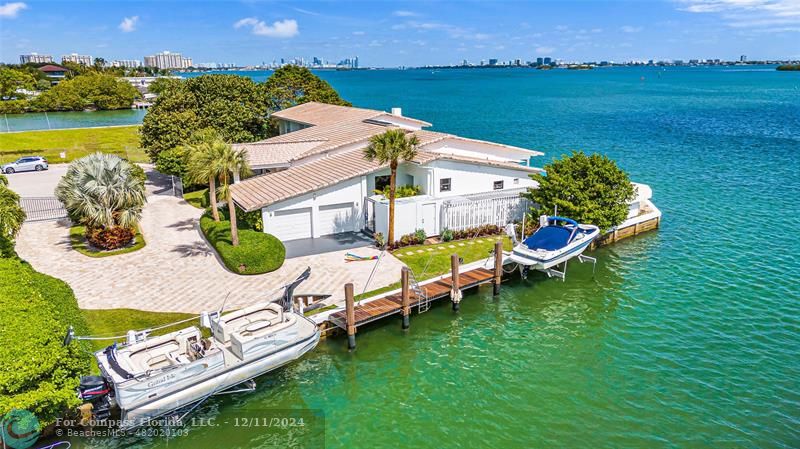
(34, 184)
(177, 271)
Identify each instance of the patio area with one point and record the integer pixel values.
(345, 241)
(178, 272)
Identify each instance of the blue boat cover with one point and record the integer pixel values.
(554, 219)
(548, 238)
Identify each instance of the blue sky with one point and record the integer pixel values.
(383, 33)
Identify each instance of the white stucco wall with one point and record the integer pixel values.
(352, 190)
(466, 179)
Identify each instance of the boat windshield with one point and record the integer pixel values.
(549, 238)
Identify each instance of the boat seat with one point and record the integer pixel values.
(158, 352)
(241, 319)
(248, 339)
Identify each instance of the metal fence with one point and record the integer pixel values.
(467, 212)
(42, 208)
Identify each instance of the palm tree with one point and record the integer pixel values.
(389, 148)
(204, 149)
(11, 213)
(102, 192)
(231, 162)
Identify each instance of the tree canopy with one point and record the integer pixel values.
(587, 188)
(234, 106)
(93, 90)
(291, 85)
(11, 80)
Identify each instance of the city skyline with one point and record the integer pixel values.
(406, 34)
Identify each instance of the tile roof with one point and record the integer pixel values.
(261, 191)
(274, 153)
(314, 113)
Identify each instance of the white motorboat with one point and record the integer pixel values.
(557, 240)
(152, 377)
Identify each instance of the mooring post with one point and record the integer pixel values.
(406, 297)
(350, 308)
(455, 293)
(498, 266)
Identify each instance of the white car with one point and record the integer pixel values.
(29, 163)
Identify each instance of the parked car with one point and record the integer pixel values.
(30, 163)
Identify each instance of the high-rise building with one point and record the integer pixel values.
(539, 61)
(547, 61)
(35, 58)
(493, 61)
(77, 59)
(127, 63)
(743, 58)
(167, 60)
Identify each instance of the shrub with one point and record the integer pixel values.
(173, 162)
(447, 235)
(13, 106)
(138, 174)
(380, 240)
(38, 373)
(252, 219)
(257, 252)
(587, 188)
(420, 235)
(401, 191)
(110, 238)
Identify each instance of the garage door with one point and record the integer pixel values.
(336, 218)
(292, 224)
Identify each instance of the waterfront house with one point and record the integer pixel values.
(54, 73)
(312, 179)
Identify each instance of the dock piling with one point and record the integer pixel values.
(350, 308)
(405, 298)
(455, 292)
(498, 267)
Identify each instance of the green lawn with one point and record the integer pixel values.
(77, 237)
(119, 140)
(113, 322)
(198, 198)
(436, 262)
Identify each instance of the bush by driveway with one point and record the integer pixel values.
(257, 252)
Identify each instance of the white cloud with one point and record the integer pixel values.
(630, 29)
(281, 28)
(375, 43)
(545, 50)
(10, 10)
(773, 15)
(358, 33)
(128, 24)
(401, 13)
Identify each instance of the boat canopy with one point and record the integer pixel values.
(549, 238)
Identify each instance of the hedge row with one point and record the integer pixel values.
(38, 373)
(257, 252)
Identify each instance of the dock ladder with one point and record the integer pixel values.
(423, 302)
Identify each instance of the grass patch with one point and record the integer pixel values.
(257, 252)
(198, 198)
(77, 237)
(436, 262)
(430, 264)
(112, 322)
(75, 142)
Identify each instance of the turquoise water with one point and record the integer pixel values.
(685, 337)
(61, 120)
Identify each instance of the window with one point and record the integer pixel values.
(381, 182)
(498, 185)
(444, 185)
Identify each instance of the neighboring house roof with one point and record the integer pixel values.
(317, 114)
(260, 154)
(52, 68)
(264, 190)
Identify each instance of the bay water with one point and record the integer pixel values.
(688, 336)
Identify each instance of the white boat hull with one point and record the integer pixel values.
(543, 260)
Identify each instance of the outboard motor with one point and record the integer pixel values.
(288, 293)
(95, 391)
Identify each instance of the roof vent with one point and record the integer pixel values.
(397, 111)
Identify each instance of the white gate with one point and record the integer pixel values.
(497, 209)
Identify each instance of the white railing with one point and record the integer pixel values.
(498, 210)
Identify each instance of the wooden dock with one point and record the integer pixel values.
(393, 303)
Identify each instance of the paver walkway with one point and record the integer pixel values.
(178, 271)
